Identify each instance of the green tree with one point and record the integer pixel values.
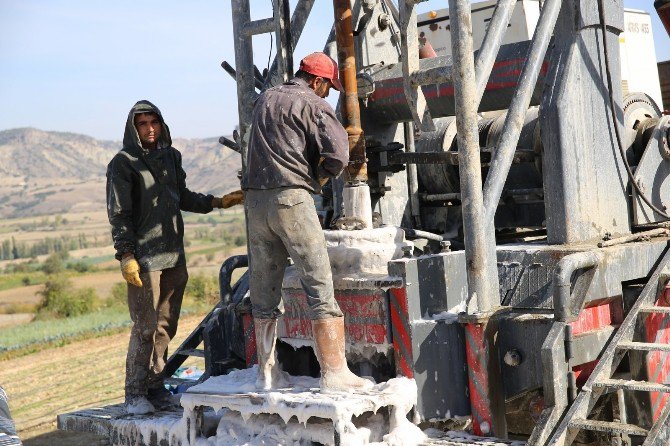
(60, 299)
(118, 297)
(79, 266)
(53, 264)
(203, 289)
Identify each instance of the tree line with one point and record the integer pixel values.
(11, 249)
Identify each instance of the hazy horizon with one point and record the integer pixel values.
(119, 139)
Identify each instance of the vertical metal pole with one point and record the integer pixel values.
(282, 18)
(298, 20)
(344, 32)
(412, 177)
(426, 51)
(480, 252)
(244, 65)
(486, 398)
(356, 192)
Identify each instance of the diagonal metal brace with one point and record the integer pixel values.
(409, 46)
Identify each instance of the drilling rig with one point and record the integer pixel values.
(499, 243)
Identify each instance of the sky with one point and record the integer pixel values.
(79, 65)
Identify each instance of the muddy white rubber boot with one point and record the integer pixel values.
(329, 348)
(269, 374)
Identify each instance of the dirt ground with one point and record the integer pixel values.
(65, 379)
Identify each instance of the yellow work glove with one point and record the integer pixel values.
(130, 270)
(232, 199)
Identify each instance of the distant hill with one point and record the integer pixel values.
(44, 172)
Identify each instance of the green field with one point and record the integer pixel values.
(93, 271)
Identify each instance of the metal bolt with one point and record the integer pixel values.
(512, 358)
(445, 246)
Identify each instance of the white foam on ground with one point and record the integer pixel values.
(168, 428)
(244, 381)
(302, 405)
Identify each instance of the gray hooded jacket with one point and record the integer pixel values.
(294, 139)
(146, 191)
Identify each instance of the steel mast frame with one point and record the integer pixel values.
(470, 78)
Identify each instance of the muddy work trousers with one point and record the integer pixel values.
(154, 310)
(282, 223)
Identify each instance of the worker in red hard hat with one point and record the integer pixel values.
(296, 144)
(324, 73)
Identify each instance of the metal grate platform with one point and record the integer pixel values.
(464, 439)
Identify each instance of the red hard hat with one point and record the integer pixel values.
(320, 64)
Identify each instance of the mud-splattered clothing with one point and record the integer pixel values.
(292, 130)
(146, 192)
(154, 310)
(284, 223)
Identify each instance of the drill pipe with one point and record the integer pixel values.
(344, 32)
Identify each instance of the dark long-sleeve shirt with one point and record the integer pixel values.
(292, 130)
(146, 191)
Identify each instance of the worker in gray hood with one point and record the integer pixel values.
(146, 192)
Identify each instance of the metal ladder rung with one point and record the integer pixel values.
(576, 416)
(629, 384)
(644, 346)
(608, 426)
(654, 309)
(262, 26)
(192, 352)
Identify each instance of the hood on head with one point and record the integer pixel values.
(131, 139)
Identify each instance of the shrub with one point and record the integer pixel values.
(203, 289)
(79, 266)
(118, 296)
(59, 299)
(240, 240)
(22, 267)
(53, 264)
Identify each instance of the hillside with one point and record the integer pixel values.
(44, 172)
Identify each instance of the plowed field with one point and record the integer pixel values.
(78, 375)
